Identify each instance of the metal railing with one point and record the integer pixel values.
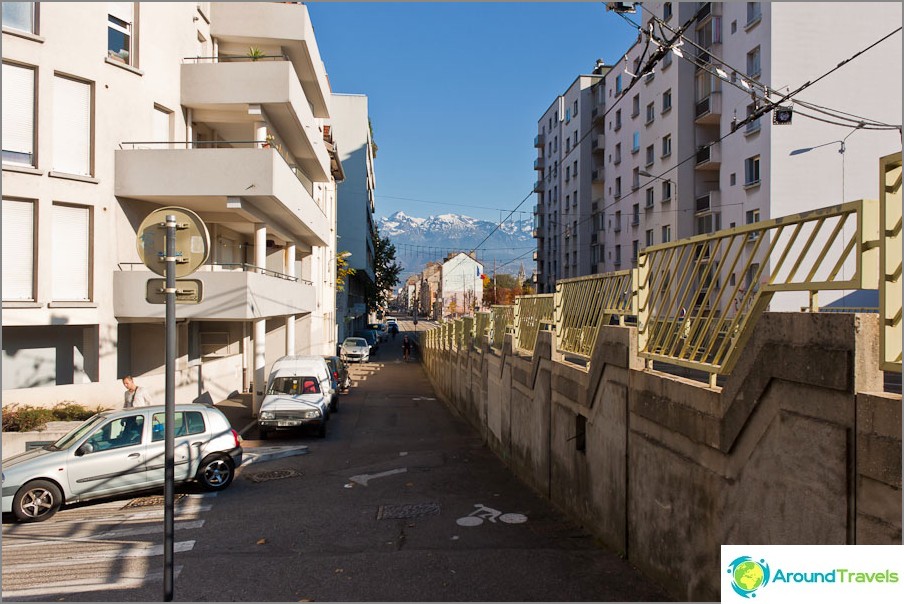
(503, 319)
(584, 304)
(224, 266)
(890, 263)
(693, 309)
(531, 314)
(234, 59)
(482, 326)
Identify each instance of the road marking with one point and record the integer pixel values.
(131, 551)
(180, 510)
(119, 533)
(92, 584)
(363, 479)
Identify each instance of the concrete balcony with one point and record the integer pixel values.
(224, 94)
(538, 186)
(264, 24)
(539, 140)
(709, 110)
(233, 295)
(598, 144)
(709, 157)
(234, 186)
(539, 163)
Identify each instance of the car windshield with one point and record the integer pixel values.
(355, 342)
(77, 433)
(294, 385)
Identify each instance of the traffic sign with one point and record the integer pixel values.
(192, 241)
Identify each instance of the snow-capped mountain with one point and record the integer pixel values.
(422, 240)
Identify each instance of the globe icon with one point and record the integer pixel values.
(748, 575)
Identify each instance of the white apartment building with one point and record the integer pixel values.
(356, 229)
(665, 175)
(112, 110)
(461, 285)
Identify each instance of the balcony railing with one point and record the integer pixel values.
(224, 266)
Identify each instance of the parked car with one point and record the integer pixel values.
(371, 336)
(117, 452)
(294, 401)
(341, 379)
(380, 329)
(393, 328)
(391, 321)
(355, 349)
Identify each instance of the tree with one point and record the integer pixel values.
(386, 274)
(343, 270)
(373, 143)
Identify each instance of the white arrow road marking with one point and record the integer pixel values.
(363, 479)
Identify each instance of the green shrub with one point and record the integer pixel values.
(27, 418)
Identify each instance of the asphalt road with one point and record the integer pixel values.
(400, 502)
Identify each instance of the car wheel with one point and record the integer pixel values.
(216, 472)
(37, 501)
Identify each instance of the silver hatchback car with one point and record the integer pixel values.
(118, 452)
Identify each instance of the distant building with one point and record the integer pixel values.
(431, 295)
(462, 286)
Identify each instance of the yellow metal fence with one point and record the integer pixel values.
(532, 313)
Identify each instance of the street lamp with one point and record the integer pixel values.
(646, 174)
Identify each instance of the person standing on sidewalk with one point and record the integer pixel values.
(406, 348)
(134, 395)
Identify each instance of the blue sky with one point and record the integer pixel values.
(455, 90)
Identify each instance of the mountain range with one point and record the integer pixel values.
(422, 240)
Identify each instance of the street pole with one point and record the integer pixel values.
(170, 414)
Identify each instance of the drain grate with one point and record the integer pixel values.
(142, 502)
(271, 475)
(407, 511)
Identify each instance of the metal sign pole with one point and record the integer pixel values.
(170, 415)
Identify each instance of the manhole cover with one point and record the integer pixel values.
(271, 475)
(141, 502)
(407, 511)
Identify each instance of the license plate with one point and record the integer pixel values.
(284, 422)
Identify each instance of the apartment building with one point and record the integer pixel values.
(356, 228)
(431, 292)
(112, 110)
(461, 285)
(672, 165)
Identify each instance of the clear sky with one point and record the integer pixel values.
(455, 90)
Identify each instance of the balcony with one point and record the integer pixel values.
(264, 24)
(597, 175)
(709, 157)
(539, 140)
(238, 186)
(232, 96)
(596, 115)
(709, 110)
(598, 144)
(232, 292)
(538, 186)
(705, 203)
(539, 163)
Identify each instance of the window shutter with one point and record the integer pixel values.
(18, 113)
(71, 256)
(18, 249)
(71, 126)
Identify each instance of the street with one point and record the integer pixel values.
(400, 502)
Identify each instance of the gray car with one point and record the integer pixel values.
(118, 452)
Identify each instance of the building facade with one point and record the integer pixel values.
(102, 124)
(668, 159)
(356, 227)
(462, 286)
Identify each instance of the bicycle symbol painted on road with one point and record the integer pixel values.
(482, 512)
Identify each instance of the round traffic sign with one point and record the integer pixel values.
(192, 241)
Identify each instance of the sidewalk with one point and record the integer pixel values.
(238, 411)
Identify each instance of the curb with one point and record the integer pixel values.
(258, 454)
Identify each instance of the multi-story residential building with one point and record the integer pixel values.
(112, 110)
(674, 167)
(462, 286)
(356, 207)
(431, 292)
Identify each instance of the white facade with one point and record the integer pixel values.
(750, 174)
(462, 286)
(116, 132)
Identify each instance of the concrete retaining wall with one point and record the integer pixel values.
(800, 446)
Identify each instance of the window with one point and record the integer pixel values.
(666, 191)
(754, 12)
(575, 138)
(568, 115)
(555, 144)
(618, 221)
(119, 32)
(72, 127)
(18, 249)
(617, 153)
(618, 86)
(666, 11)
(750, 277)
(651, 113)
(635, 179)
(708, 223)
(567, 173)
(635, 142)
(21, 16)
(634, 249)
(617, 255)
(753, 126)
(635, 214)
(617, 120)
(752, 170)
(575, 113)
(618, 186)
(666, 233)
(71, 253)
(649, 194)
(635, 105)
(732, 178)
(753, 62)
(184, 424)
(666, 60)
(651, 152)
(574, 169)
(649, 238)
(18, 114)
(666, 100)
(734, 26)
(550, 124)
(122, 432)
(666, 145)
(567, 145)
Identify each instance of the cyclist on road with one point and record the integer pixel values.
(406, 348)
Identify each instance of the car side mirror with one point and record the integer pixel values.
(84, 448)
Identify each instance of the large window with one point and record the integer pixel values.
(635, 142)
(120, 20)
(752, 170)
(666, 145)
(753, 62)
(21, 16)
(18, 249)
(754, 12)
(666, 100)
(72, 126)
(666, 233)
(18, 114)
(71, 253)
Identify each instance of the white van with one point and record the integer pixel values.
(299, 393)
